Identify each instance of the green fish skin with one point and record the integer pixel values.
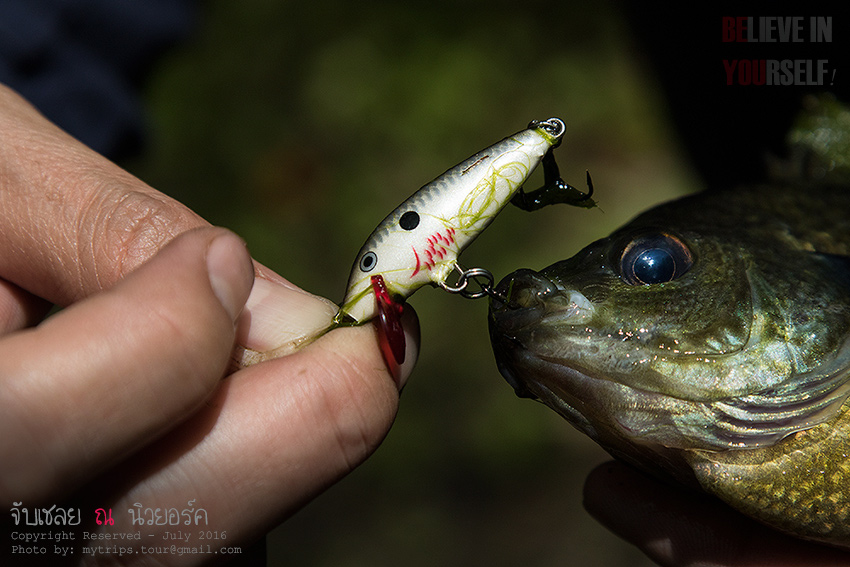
(708, 342)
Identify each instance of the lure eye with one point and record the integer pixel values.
(368, 262)
(654, 259)
(409, 220)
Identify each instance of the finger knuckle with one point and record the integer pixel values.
(120, 228)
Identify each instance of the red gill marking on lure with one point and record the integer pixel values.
(415, 255)
(390, 331)
(436, 247)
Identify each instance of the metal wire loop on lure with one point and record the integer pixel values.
(486, 288)
(555, 127)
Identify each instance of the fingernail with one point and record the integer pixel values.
(230, 271)
(278, 316)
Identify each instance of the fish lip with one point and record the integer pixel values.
(523, 300)
(526, 301)
(522, 368)
(526, 298)
(524, 278)
(568, 390)
(518, 304)
(507, 370)
(519, 300)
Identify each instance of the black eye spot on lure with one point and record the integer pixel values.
(655, 258)
(409, 220)
(368, 262)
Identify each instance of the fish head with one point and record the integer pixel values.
(684, 330)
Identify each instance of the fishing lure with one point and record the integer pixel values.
(419, 242)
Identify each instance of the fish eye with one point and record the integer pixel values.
(653, 259)
(368, 262)
(409, 220)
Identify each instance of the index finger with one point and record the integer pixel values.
(73, 222)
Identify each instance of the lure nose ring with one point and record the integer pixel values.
(554, 126)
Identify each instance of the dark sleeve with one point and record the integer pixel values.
(82, 62)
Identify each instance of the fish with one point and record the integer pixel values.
(706, 342)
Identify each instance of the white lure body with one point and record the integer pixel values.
(419, 242)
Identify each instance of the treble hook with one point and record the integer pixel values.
(589, 182)
(555, 189)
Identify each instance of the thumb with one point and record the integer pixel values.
(112, 372)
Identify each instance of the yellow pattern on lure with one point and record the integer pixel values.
(419, 242)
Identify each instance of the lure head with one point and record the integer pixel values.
(409, 249)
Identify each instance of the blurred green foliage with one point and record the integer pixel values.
(300, 125)
(820, 139)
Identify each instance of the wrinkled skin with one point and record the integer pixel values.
(722, 361)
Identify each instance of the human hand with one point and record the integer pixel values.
(118, 399)
(678, 528)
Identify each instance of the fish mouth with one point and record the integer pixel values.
(545, 347)
(528, 315)
(589, 403)
(524, 305)
(541, 362)
(516, 305)
(527, 298)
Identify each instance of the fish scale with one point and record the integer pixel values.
(799, 485)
